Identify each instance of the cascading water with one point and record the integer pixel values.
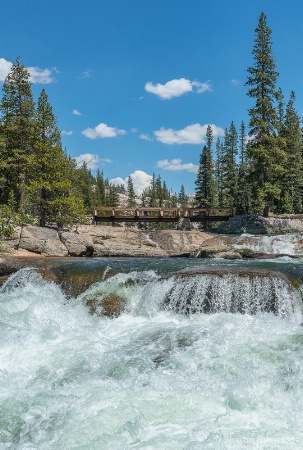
(232, 293)
(151, 378)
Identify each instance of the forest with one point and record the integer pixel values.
(252, 167)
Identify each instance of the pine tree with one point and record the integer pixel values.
(243, 197)
(131, 197)
(265, 149)
(206, 194)
(112, 195)
(229, 166)
(182, 197)
(292, 184)
(86, 187)
(153, 192)
(17, 108)
(218, 171)
(101, 188)
(205, 182)
(159, 191)
(49, 186)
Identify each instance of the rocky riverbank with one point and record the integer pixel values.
(240, 237)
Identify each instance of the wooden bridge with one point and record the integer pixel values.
(113, 214)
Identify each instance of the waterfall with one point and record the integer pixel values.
(231, 293)
(174, 370)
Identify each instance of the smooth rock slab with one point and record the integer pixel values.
(42, 240)
(76, 244)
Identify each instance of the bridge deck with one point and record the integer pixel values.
(115, 214)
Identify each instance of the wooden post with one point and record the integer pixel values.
(266, 211)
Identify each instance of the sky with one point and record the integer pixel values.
(134, 83)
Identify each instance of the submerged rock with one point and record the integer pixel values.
(111, 305)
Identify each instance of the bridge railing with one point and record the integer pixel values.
(157, 214)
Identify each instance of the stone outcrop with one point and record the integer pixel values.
(76, 244)
(119, 241)
(257, 224)
(44, 241)
(179, 243)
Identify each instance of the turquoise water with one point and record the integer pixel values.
(150, 378)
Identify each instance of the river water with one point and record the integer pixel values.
(151, 378)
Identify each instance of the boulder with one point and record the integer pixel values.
(179, 243)
(76, 244)
(12, 242)
(257, 224)
(111, 305)
(120, 241)
(42, 240)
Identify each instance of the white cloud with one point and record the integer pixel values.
(117, 181)
(235, 82)
(86, 73)
(90, 159)
(175, 165)
(134, 130)
(66, 133)
(176, 88)
(145, 137)
(102, 131)
(192, 134)
(37, 75)
(40, 76)
(106, 160)
(5, 67)
(76, 112)
(141, 180)
(202, 87)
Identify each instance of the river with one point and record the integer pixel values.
(151, 378)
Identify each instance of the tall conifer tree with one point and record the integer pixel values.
(17, 108)
(292, 184)
(131, 197)
(51, 195)
(265, 149)
(229, 166)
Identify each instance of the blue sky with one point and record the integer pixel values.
(134, 83)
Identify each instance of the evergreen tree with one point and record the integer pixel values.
(101, 188)
(165, 192)
(17, 108)
(292, 184)
(144, 198)
(49, 186)
(229, 166)
(219, 171)
(205, 182)
(243, 197)
(112, 195)
(280, 109)
(265, 149)
(182, 197)
(159, 191)
(131, 197)
(86, 185)
(153, 192)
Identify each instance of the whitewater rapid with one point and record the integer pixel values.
(148, 379)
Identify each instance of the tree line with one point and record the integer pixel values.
(247, 169)
(264, 166)
(39, 182)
